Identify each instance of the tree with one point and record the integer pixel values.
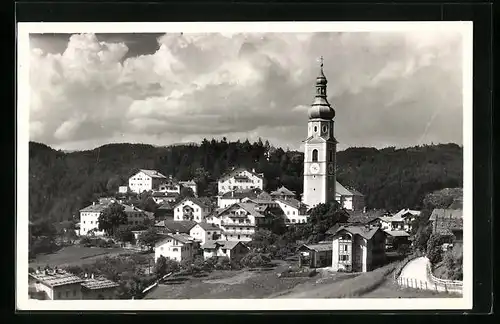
(164, 266)
(324, 216)
(434, 248)
(124, 234)
(421, 237)
(112, 217)
(186, 192)
(149, 238)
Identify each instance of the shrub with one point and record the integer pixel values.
(253, 260)
(223, 264)
(164, 266)
(434, 251)
(454, 266)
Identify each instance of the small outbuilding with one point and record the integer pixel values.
(315, 255)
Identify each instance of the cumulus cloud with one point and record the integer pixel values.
(387, 88)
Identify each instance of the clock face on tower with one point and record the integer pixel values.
(314, 168)
(331, 168)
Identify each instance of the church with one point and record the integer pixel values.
(320, 150)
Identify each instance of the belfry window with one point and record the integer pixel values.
(315, 155)
(315, 129)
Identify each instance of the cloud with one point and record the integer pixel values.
(387, 88)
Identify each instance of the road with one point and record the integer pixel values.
(414, 275)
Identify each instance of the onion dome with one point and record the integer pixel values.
(321, 107)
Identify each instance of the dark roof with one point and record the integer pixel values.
(366, 232)
(167, 206)
(223, 244)
(239, 194)
(183, 226)
(318, 247)
(292, 202)
(208, 226)
(99, 207)
(203, 202)
(365, 217)
(252, 208)
(283, 191)
(447, 220)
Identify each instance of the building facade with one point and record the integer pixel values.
(176, 247)
(320, 149)
(234, 250)
(293, 210)
(203, 232)
(146, 180)
(194, 209)
(55, 284)
(240, 179)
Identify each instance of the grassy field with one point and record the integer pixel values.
(73, 255)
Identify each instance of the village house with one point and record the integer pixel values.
(239, 221)
(145, 180)
(315, 255)
(170, 186)
(98, 288)
(176, 247)
(448, 222)
(165, 212)
(54, 284)
(235, 196)
(89, 216)
(395, 239)
(161, 197)
(203, 232)
(408, 216)
(240, 178)
(350, 199)
(358, 248)
(183, 227)
(294, 211)
(234, 250)
(282, 193)
(195, 209)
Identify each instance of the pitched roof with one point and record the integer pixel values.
(365, 217)
(181, 237)
(405, 211)
(254, 209)
(292, 202)
(366, 232)
(397, 233)
(283, 191)
(318, 247)
(239, 194)
(96, 208)
(208, 226)
(264, 196)
(355, 192)
(237, 170)
(446, 213)
(152, 173)
(223, 244)
(54, 278)
(183, 226)
(99, 283)
(447, 220)
(341, 190)
(203, 202)
(166, 206)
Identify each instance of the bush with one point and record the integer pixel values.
(454, 266)
(164, 266)
(254, 260)
(434, 251)
(223, 264)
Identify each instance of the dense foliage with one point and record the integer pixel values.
(62, 183)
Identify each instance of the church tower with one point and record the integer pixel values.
(320, 149)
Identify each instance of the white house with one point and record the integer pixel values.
(407, 216)
(203, 232)
(146, 180)
(177, 247)
(283, 193)
(293, 210)
(89, 216)
(170, 187)
(350, 199)
(241, 179)
(234, 250)
(239, 221)
(161, 197)
(195, 209)
(235, 196)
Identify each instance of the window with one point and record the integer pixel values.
(330, 159)
(315, 129)
(288, 212)
(224, 250)
(315, 155)
(344, 257)
(293, 220)
(293, 212)
(175, 249)
(74, 293)
(324, 128)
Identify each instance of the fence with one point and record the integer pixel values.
(446, 285)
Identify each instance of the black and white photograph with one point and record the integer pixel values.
(240, 166)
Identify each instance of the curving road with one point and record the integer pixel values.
(414, 275)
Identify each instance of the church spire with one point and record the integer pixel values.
(320, 107)
(321, 81)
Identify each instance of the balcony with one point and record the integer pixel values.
(245, 232)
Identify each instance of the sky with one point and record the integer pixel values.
(388, 89)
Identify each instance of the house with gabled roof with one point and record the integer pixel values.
(239, 221)
(315, 255)
(146, 180)
(203, 232)
(175, 246)
(283, 193)
(54, 284)
(234, 250)
(193, 208)
(170, 226)
(448, 222)
(349, 199)
(240, 178)
(294, 211)
(235, 196)
(358, 248)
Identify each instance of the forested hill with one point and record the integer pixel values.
(62, 183)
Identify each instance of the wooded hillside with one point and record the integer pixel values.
(62, 183)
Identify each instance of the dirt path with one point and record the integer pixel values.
(414, 274)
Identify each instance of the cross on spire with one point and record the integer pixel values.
(321, 61)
